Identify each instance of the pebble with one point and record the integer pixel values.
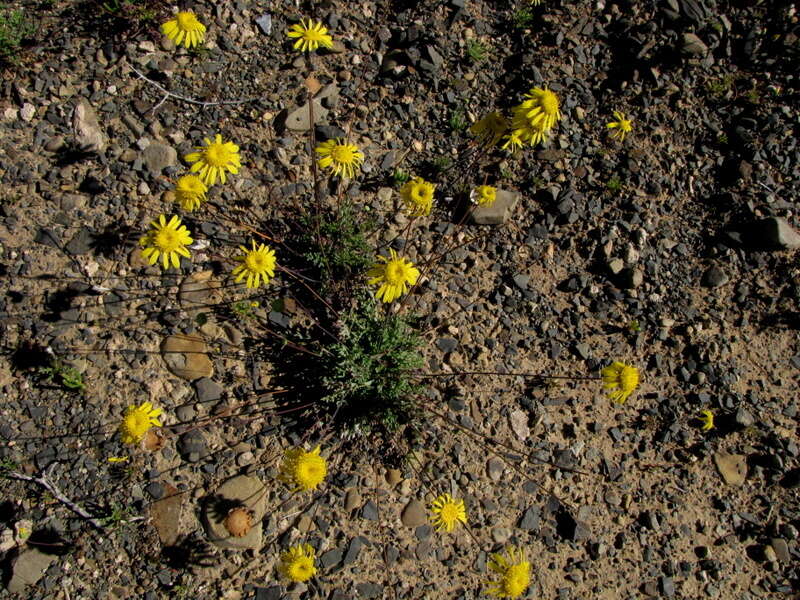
(414, 514)
(187, 356)
(88, 134)
(499, 212)
(242, 490)
(732, 468)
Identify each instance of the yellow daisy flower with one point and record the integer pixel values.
(190, 192)
(707, 419)
(258, 265)
(448, 512)
(213, 159)
(167, 240)
(483, 195)
(490, 129)
(137, 421)
(394, 275)
(536, 116)
(185, 28)
(341, 158)
(303, 470)
(297, 563)
(513, 574)
(622, 126)
(620, 380)
(310, 35)
(417, 195)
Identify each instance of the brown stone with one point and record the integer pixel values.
(186, 356)
(165, 515)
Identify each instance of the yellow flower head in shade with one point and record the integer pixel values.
(707, 419)
(190, 192)
(490, 129)
(394, 275)
(513, 141)
(297, 563)
(185, 29)
(513, 574)
(167, 240)
(213, 159)
(448, 512)
(258, 265)
(621, 125)
(536, 116)
(620, 380)
(341, 158)
(417, 195)
(303, 470)
(483, 195)
(310, 35)
(137, 421)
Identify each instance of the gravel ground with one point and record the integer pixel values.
(674, 250)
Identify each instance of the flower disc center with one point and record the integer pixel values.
(217, 155)
(342, 154)
(167, 240)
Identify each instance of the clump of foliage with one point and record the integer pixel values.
(400, 177)
(458, 120)
(337, 242)
(477, 51)
(131, 10)
(367, 375)
(14, 28)
(61, 374)
(523, 18)
(614, 184)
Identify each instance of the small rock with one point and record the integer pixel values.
(207, 390)
(27, 112)
(501, 535)
(88, 134)
(264, 23)
(521, 280)
(530, 520)
(499, 212)
(199, 291)
(691, 45)
(241, 490)
(369, 511)
(299, 118)
(714, 277)
(28, 568)
(351, 499)
(781, 549)
(165, 515)
(732, 467)
(519, 424)
(192, 445)
(393, 477)
(186, 356)
(158, 157)
(494, 467)
(616, 265)
(773, 233)
(631, 278)
(414, 514)
(744, 418)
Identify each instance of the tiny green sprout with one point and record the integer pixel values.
(753, 95)
(69, 377)
(477, 51)
(614, 184)
(634, 327)
(442, 163)
(243, 309)
(537, 182)
(523, 18)
(722, 139)
(400, 177)
(14, 28)
(118, 516)
(506, 173)
(6, 466)
(458, 120)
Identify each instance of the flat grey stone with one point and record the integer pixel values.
(158, 157)
(772, 232)
(299, 118)
(691, 45)
(497, 213)
(28, 568)
(241, 490)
